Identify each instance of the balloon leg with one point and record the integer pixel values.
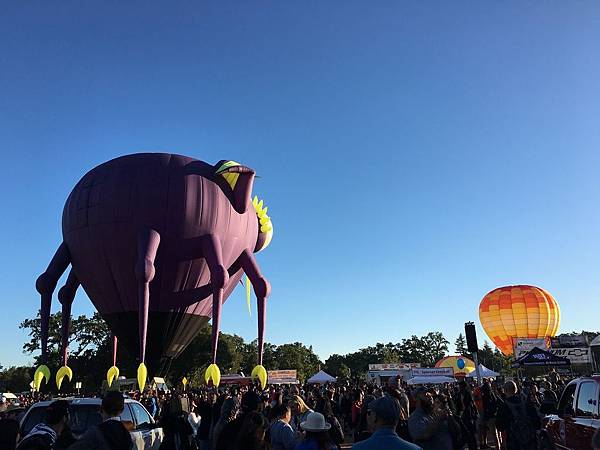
(113, 372)
(212, 251)
(262, 289)
(148, 241)
(45, 285)
(66, 295)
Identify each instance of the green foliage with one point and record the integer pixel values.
(426, 350)
(16, 379)
(90, 350)
(299, 357)
(91, 355)
(84, 333)
(591, 335)
(461, 346)
(493, 358)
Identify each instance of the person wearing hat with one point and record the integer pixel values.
(316, 433)
(383, 414)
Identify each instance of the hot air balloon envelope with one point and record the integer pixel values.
(519, 311)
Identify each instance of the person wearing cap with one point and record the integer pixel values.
(316, 435)
(45, 435)
(111, 434)
(383, 414)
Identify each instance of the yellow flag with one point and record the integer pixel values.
(248, 293)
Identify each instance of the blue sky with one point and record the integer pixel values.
(413, 156)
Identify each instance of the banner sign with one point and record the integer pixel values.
(581, 355)
(394, 366)
(578, 341)
(433, 372)
(525, 345)
(282, 376)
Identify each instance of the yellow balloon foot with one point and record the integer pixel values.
(142, 376)
(40, 373)
(64, 371)
(111, 374)
(213, 373)
(261, 373)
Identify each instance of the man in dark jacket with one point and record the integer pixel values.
(111, 434)
(46, 435)
(519, 419)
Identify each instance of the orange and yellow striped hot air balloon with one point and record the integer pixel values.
(518, 312)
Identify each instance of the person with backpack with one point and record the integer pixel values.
(111, 434)
(518, 419)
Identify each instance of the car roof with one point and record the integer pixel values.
(594, 377)
(78, 401)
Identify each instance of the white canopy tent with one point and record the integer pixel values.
(595, 342)
(431, 380)
(321, 377)
(484, 372)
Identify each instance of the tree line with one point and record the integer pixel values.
(91, 355)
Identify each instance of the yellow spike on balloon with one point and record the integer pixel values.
(248, 295)
(64, 371)
(42, 372)
(111, 374)
(213, 373)
(261, 373)
(142, 376)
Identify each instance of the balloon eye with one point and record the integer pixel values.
(460, 363)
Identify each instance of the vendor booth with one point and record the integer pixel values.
(540, 358)
(484, 372)
(321, 378)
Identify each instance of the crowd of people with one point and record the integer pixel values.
(317, 417)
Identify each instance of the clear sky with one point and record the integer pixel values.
(413, 155)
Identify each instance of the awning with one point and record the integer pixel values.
(538, 357)
(431, 380)
(484, 372)
(321, 377)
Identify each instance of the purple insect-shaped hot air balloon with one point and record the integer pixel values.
(158, 242)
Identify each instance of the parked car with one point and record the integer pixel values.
(84, 413)
(577, 418)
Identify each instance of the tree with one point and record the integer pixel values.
(90, 352)
(461, 345)
(84, 333)
(16, 379)
(298, 356)
(335, 364)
